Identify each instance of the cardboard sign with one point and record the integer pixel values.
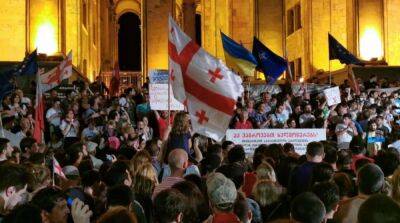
(158, 92)
(332, 96)
(250, 139)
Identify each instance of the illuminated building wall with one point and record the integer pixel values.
(296, 29)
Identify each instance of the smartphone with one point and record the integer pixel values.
(69, 201)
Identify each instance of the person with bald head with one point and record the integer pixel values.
(178, 161)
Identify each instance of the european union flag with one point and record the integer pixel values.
(29, 65)
(270, 64)
(338, 51)
(237, 57)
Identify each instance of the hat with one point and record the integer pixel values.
(91, 146)
(114, 142)
(221, 191)
(71, 171)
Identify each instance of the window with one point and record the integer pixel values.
(293, 19)
(84, 13)
(296, 70)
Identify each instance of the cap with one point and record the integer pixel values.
(221, 191)
(114, 142)
(71, 171)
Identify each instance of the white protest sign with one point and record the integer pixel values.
(158, 92)
(250, 139)
(332, 96)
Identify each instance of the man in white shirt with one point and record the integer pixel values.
(306, 119)
(53, 115)
(345, 132)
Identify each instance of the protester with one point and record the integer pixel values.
(144, 166)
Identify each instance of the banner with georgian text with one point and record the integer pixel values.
(250, 139)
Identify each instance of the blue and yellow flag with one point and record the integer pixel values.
(238, 58)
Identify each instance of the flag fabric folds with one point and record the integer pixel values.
(39, 110)
(238, 58)
(338, 51)
(53, 78)
(269, 63)
(203, 83)
(57, 169)
(28, 66)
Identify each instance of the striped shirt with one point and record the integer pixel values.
(167, 183)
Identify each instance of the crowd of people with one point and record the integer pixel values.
(112, 159)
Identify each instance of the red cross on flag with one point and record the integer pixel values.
(54, 77)
(208, 86)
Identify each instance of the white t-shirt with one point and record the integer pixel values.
(72, 131)
(344, 139)
(56, 121)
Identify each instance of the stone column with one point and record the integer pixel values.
(189, 18)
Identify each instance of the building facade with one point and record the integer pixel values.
(295, 29)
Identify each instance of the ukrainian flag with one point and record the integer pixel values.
(238, 58)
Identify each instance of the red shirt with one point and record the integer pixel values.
(354, 159)
(162, 125)
(250, 180)
(243, 125)
(225, 218)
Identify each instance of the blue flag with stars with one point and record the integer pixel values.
(28, 66)
(269, 63)
(338, 51)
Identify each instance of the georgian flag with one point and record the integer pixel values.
(203, 83)
(57, 169)
(54, 77)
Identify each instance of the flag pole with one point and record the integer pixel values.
(169, 99)
(53, 176)
(2, 127)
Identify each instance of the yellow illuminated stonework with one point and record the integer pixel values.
(367, 28)
(46, 39)
(371, 45)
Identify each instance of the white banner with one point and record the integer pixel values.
(159, 98)
(332, 96)
(250, 139)
(158, 92)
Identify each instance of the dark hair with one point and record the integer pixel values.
(47, 198)
(117, 174)
(112, 115)
(168, 204)
(370, 179)
(360, 163)
(379, 208)
(346, 115)
(234, 172)
(119, 195)
(331, 155)
(13, 175)
(197, 208)
(345, 184)
(26, 142)
(315, 149)
(241, 208)
(90, 178)
(322, 172)
(118, 215)
(26, 213)
(214, 148)
(328, 193)
(236, 154)
(307, 208)
(357, 145)
(288, 147)
(225, 144)
(3, 144)
(152, 147)
(388, 161)
(344, 158)
(209, 163)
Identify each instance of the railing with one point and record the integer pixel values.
(127, 79)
